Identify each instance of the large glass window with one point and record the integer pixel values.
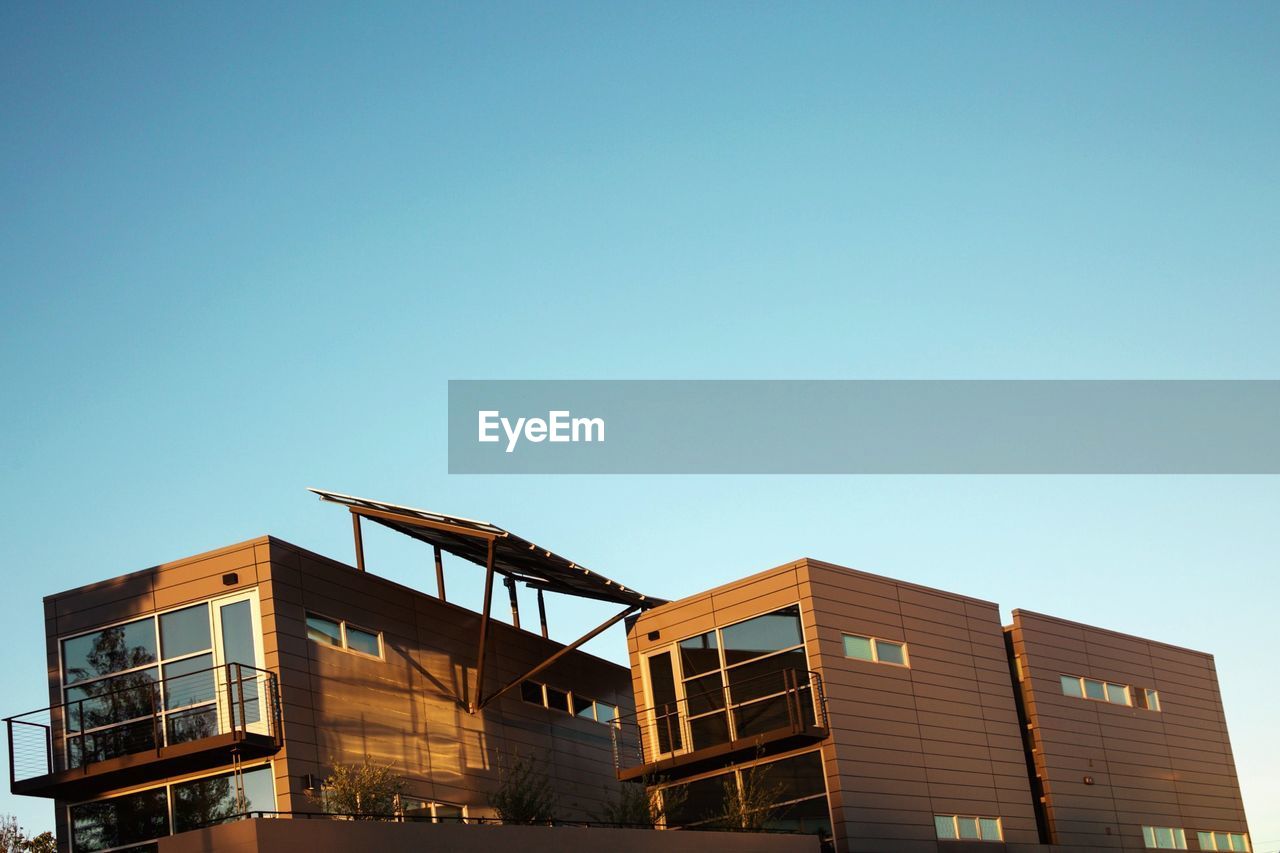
(762, 635)
(144, 816)
(800, 802)
(116, 680)
(742, 680)
(108, 651)
(203, 802)
(130, 819)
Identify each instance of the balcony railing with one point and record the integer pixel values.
(134, 719)
(752, 714)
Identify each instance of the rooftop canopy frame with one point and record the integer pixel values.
(501, 553)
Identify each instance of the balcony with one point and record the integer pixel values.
(142, 729)
(757, 716)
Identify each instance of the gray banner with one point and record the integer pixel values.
(863, 427)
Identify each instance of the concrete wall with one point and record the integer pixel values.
(305, 836)
(1168, 768)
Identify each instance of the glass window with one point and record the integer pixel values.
(666, 712)
(945, 826)
(768, 676)
(605, 713)
(130, 819)
(703, 800)
(185, 631)
(968, 827)
(1151, 699)
(557, 700)
(323, 630)
(762, 635)
(584, 707)
(109, 650)
(189, 682)
(412, 807)
(531, 691)
(111, 700)
(887, 652)
(699, 654)
(1095, 689)
(990, 828)
(446, 813)
(858, 647)
(363, 641)
(1164, 837)
(1071, 687)
(1117, 694)
(797, 777)
(237, 633)
(204, 802)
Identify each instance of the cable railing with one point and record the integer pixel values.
(487, 821)
(755, 710)
(137, 713)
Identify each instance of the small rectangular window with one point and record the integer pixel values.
(1071, 687)
(990, 829)
(557, 700)
(887, 652)
(605, 713)
(447, 813)
(584, 707)
(324, 631)
(1117, 694)
(1095, 690)
(945, 826)
(968, 827)
(1151, 699)
(858, 647)
(1164, 837)
(531, 691)
(363, 641)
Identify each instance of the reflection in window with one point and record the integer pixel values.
(344, 635)
(204, 802)
(799, 804)
(1223, 841)
(1108, 691)
(324, 631)
(118, 821)
(109, 650)
(699, 654)
(762, 635)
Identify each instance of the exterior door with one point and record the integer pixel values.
(237, 638)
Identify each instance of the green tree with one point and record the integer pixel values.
(366, 789)
(524, 792)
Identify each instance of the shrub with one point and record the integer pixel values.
(524, 792)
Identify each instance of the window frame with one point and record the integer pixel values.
(1130, 692)
(1214, 844)
(572, 698)
(211, 604)
(978, 822)
(875, 650)
(1151, 837)
(167, 787)
(724, 669)
(342, 632)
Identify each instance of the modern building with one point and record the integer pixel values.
(197, 705)
(902, 718)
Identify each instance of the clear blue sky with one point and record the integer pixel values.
(243, 247)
